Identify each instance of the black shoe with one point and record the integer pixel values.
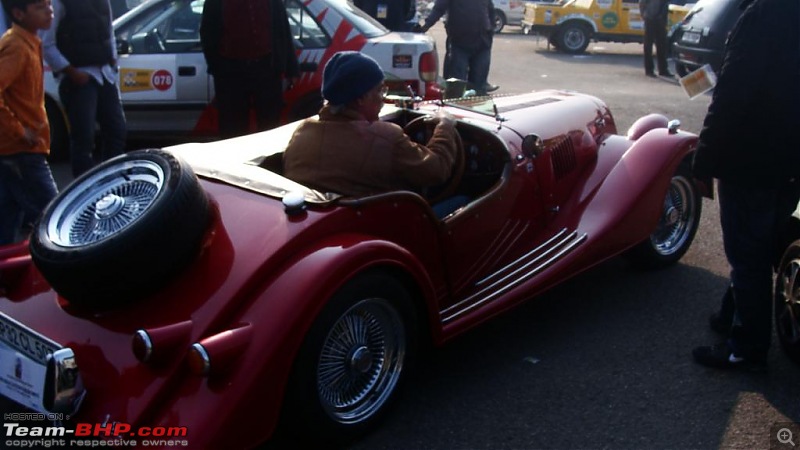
(488, 87)
(666, 74)
(721, 356)
(719, 325)
(650, 74)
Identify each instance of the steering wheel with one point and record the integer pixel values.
(420, 130)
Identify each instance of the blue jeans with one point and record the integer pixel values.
(26, 187)
(751, 220)
(467, 64)
(86, 106)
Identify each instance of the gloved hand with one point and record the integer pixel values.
(417, 28)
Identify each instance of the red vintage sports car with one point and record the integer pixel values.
(196, 288)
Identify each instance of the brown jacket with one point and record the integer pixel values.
(345, 154)
(21, 92)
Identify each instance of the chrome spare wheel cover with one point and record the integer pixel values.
(361, 361)
(787, 314)
(677, 218)
(105, 203)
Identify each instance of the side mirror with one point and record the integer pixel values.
(455, 88)
(532, 146)
(123, 47)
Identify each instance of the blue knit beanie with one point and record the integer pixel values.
(348, 76)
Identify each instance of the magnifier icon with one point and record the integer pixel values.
(785, 436)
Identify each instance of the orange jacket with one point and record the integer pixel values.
(22, 92)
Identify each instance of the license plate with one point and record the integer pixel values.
(691, 37)
(23, 360)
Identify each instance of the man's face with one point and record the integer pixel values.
(36, 16)
(372, 102)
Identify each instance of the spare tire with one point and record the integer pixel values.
(121, 230)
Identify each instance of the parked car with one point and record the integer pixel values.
(166, 91)
(570, 26)
(196, 288)
(507, 12)
(700, 38)
(787, 289)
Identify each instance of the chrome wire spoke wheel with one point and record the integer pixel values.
(787, 306)
(361, 361)
(678, 219)
(105, 203)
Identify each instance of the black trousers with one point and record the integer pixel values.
(242, 87)
(655, 32)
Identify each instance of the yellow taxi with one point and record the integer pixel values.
(570, 25)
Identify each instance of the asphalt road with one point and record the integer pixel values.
(603, 361)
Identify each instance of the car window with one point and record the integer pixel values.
(169, 27)
(305, 30)
(362, 21)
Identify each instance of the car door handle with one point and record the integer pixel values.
(307, 67)
(187, 71)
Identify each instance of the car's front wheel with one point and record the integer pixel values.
(677, 226)
(787, 302)
(59, 132)
(573, 38)
(352, 360)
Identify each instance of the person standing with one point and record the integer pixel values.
(249, 50)
(757, 168)
(81, 50)
(470, 30)
(655, 14)
(26, 182)
(393, 14)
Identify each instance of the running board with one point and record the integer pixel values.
(516, 273)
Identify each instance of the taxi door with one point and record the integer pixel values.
(163, 80)
(632, 22)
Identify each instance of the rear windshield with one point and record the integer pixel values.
(709, 12)
(362, 21)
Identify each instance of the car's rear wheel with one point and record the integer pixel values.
(499, 21)
(677, 226)
(352, 360)
(787, 302)
(573, 37)
(59, 132)
(122, 229)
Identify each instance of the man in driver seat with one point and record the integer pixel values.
(347, 150)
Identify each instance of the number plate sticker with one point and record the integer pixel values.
(691, 37)
(23, 357)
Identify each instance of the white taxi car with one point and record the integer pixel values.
(167, 93)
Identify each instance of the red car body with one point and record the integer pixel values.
(547, 208)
